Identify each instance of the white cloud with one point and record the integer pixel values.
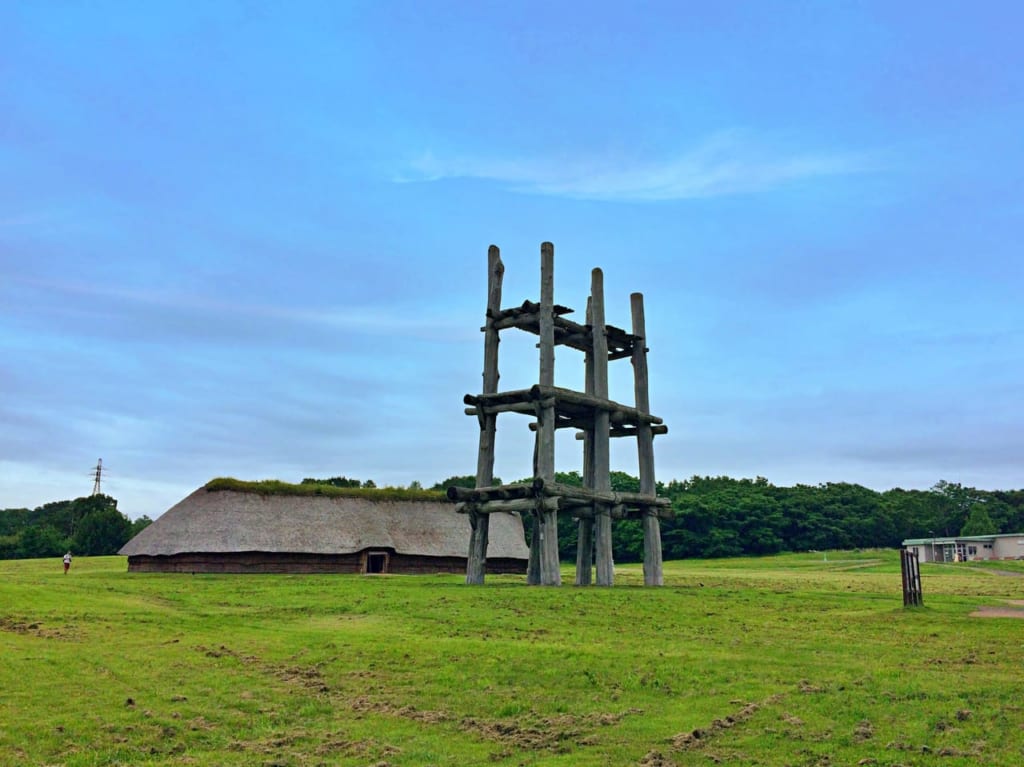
(724, 164)
(363, 320)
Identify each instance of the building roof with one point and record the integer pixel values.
(225, 521)
(959, 538)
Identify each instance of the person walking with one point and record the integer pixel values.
(67, 562)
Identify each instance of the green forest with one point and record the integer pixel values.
(714, 517)
(90, 526)
(726, 517)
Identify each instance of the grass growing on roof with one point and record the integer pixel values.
(277, 487)
(771, 661)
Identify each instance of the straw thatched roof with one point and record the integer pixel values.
(225, 521)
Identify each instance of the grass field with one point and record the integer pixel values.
(789, 660)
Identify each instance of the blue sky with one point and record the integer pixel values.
(246, 239)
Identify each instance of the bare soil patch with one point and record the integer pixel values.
(698, 738)
(994, 611)
(34, 628)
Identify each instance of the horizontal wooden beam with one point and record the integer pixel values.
(519, 505)
(539, 495)
(527, 307)
(575, 507)
(567, 332)
(622, 511)
(495, 492)
(568, 404)
(624, 431)
(601, 496)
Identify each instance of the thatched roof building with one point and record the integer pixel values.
(238, 531)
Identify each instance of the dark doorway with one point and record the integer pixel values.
(376, 562)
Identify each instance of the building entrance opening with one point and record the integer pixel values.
(376, 562)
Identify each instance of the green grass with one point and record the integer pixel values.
(789, 660)
(277, 487)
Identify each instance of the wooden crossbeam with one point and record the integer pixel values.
(567, 332)
(567, 403)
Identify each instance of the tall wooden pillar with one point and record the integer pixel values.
(645, 445)
(585, 531)
(601, 454)
(550, 574)
(476, 564)
(533, 564)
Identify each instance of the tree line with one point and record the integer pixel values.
(714, 517)
(726, 517)
(90, 526)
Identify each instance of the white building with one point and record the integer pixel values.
(963, 549)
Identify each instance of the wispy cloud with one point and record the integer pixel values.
(363, 320)
(727, 163)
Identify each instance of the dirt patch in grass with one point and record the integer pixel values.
(533, 733)
(698, 737)
(367, 705)
(34, 628)
(529, 733)
(897, 745)
(990, 611)
(656, 759)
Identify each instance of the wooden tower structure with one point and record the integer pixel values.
(597, 419)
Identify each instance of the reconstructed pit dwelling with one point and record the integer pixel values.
(597, 419)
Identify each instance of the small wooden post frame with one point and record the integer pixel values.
(596, 419)
(910, 570)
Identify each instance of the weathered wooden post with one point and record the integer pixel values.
(550, 573)
(533, 565)
(585, 530)
(601, 453)
(480, 523)
(910, 570)
(645, 445)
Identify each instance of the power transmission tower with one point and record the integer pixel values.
(98, 476)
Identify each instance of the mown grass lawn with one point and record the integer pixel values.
(793, 660)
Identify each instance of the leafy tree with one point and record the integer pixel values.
(979, 523)
(12, 520)
(9, 546)
(41, 541)
(102, 532)
(1011, 510)
(954, 503)
(460, 480)
(140, 524)
(61, 514)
